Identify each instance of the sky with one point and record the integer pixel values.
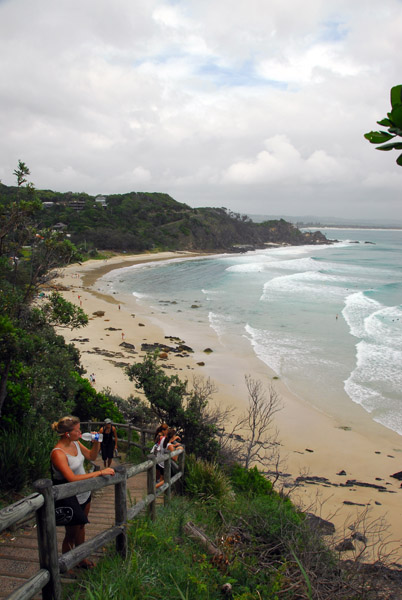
(256, 105)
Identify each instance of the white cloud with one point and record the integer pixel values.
(282, 162)
(212, 102)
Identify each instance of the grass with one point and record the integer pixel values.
(164, 562)
(267, 551)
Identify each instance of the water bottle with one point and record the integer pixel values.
(92, 437)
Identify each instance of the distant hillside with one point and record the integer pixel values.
(139, 221)
(347, 223)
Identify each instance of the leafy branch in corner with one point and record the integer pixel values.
(393, 122)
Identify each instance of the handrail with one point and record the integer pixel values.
(41, 504)
(143, 433)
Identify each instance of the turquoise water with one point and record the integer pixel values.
(326, 319)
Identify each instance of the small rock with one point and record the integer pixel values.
(208, 350)
(127, 345)
(309, 450)
(201, 364)
(342, 472)
(345, 545)
(324, 527)
(356, 535)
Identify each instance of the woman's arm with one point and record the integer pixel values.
(92, 453)
(59, 460)
(171, 448)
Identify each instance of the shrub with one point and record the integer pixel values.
(249, 481)
(92, 405)
(25, 455)
(205, 480)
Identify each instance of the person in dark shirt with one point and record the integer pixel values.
(109, 442)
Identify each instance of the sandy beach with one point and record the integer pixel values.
(313, 443)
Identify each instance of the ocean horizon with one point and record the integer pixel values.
(326, 319)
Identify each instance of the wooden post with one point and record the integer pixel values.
(128, 439)
(168, 473)
(47, 540)
(120, 498)
(143, 449)
(151, 487)
(181, 467)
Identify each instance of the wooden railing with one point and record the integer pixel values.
(143, 433)
(41, 503)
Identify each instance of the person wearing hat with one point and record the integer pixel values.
(109, 442)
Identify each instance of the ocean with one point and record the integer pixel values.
(326, 319)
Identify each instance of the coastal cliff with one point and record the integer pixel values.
(140, 221)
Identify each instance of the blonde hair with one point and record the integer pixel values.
(65, 424)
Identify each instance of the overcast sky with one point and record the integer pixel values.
(256, 105)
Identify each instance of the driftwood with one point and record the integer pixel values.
(194, 532)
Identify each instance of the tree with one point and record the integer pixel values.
(393, 123)
(28, 257)
(185, 410)
(165, 394)
(258, 442)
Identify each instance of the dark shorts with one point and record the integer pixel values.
(86, 501)
(107, 451)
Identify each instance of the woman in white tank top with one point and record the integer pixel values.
(67, 459)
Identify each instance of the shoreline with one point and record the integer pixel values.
(312, 442)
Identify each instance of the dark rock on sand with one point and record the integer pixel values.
(321, 525)
(353, 482)
(345, 545)
(184, 348)
(127, 346)
(356, 535)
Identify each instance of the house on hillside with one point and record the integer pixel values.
(59, 227)
(101, 200)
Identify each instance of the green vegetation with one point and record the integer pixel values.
(143, 221)
(263, 549)
(35, 392)
(393, 123)
(172, 402)
(206, 480)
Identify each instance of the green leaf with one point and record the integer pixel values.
(399, 160)
(396, 116)
(385, 123)
(378, 137)
(396, 96)
(393, 146)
